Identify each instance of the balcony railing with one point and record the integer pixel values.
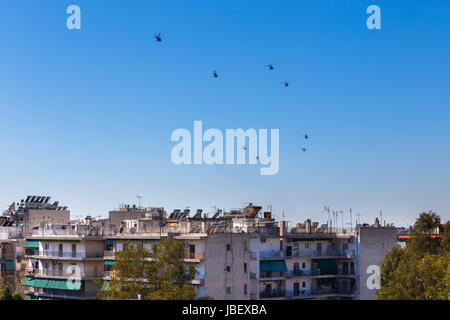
(66, 274)
(64, 254)
(301, 273)
(271, 274)
(318, 292)
(195, 256)
(272, 254)
(272, 294)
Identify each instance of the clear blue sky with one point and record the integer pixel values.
(86, 115)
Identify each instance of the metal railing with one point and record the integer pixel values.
(318, 292)
(272, 294)
(301, 273)
(196, 256)
(66, 274)
(271, 274)
(64, 254)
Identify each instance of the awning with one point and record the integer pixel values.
(311, 239)
(27, 297)
(28, 282)
(110, 242)
(40, 283)
(327, 264)
(109, 262)
(34, 244)
(71, 285)
(64, 284)
(272, 265)
(10, 266)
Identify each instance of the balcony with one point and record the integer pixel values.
(65, 275)
(109, 254)
(272, 294)
(271, 255)
(63, 254)
(64, 294)
(195, 256)
(271, 275)
(319, 293)
(301, 273)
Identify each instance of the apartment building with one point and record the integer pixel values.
(238, 254)
(64, 262)
(35, 209)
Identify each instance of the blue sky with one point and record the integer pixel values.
(86, 115)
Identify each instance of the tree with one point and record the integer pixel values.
(421, 270)
(445, 243)
(169, 276)
(129, 272)
(427, 222)
(6, 293)
(159, 274)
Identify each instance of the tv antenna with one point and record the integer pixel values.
(359, 217)
(139, 197)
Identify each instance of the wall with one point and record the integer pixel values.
(373, 245)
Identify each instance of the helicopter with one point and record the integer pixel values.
(286, 83)
(158, 37)
(270, 66)
(303, 149)
(306, 136)
(215, 74)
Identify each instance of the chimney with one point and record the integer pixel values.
(282, 228)
(308, 225)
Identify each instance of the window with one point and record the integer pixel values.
(45, 246)
(303, 284)
(245, 245)
(228, 247)
(296, 289)
(306, 245)
(245, 288)
(345, 246)
(303, 265)
(245, 267)
(228, 290)
(228, 269)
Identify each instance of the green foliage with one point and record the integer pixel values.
(427, 222)
(159, 274)
(6, 293)
(421, 270)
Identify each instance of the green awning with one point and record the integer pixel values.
(55, 284)
(28, 281)
(61, 284)
(27, 297)
(40, 283)
(110, 242)
(32, 244)
(327, 264)
(10, 266)
(272, 265)
(109, 262)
